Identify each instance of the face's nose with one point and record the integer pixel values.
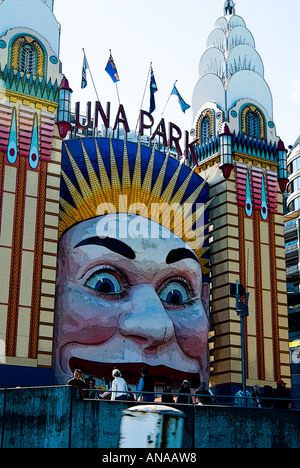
(146, 322)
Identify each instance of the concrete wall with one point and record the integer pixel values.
(54, 417)
(38, 417)
(223, 427)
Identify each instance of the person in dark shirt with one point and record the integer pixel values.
(185, 388)
(282, 396)
(167, 396)
(93, 394)
(146, 384)
(77, 381)
(267, 398)
(203, 395)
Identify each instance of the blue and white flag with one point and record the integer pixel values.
(184, 106)
(84, 69)
(111, 69)
(153, 89)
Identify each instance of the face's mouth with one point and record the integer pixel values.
(131, 372)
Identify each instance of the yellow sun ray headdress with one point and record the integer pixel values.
(102, 176)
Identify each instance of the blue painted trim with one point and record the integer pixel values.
(18, 376)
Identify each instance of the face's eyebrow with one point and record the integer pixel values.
(180, 254)
(114, 245)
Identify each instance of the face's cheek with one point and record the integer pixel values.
(85, 318)
(191, 328)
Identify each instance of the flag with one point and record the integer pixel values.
(184, 106)
(111, 69)
(153, 89)
(84, 68)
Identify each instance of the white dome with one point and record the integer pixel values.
(240, 35)
(217, 38)
(236, 21)
(19, 14)
(231, 69)
(208, 89)
(248, 84)
(243, 57)
(212, 61)
(222, 24)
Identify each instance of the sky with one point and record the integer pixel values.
(172, 34)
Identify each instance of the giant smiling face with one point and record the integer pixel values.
(129, 301)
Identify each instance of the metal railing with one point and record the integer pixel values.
(222, 400)
(216, 399)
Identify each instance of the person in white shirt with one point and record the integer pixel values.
(119, 387)
(241, 399)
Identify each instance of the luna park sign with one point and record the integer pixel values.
(170, 134)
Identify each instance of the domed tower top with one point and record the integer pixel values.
(19, 14)
(231, 86)
(30, 46)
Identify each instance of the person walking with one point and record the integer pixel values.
(256, 396)
(77, 381)
(242, 399)
(146, 384)
(267, 397)
(167, 395)
(203, 395)
(282, 396)
(184, 390)
(119, 388)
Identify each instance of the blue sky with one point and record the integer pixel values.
(172, 34)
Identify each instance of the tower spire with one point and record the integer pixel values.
(229, 8)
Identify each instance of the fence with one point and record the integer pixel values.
(55, 417)
(202, 398)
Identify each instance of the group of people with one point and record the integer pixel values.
(202, 396)
(119, 389)
(267, 397)
(280, 398)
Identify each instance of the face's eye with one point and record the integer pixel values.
(103, 282)
(175, 294)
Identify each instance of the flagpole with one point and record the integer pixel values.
(149, 71)
(146, 85)
(118, 93)
(168, 99)
(91, 75)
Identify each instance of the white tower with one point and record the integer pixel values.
(231, 72)
(238, 151)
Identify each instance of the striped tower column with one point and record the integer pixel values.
(271, 189)
(256, 192)
(241, 182)
(5, 126)
(47, 123)
(25, 129)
